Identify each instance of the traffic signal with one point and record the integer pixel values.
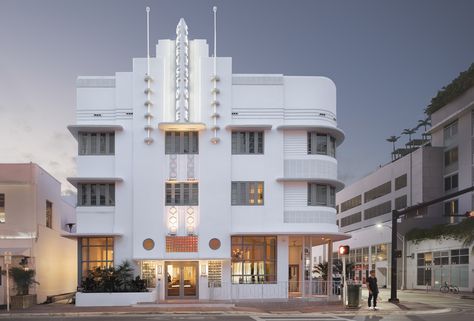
(344, 250)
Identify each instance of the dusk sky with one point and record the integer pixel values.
(387, 59)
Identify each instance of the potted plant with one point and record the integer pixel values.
(23, 279)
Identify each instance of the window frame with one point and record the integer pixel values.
(95, 143)
(109, 246)
(49, 214)
(241, 194)
(182, 142)
(181, 194)
(248, 142)
(89, 194)
(315, 199)
(320, 144)
(3, 212)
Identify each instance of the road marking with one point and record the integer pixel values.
(321, 317)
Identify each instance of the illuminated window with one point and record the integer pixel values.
(2, 208)
(254, 259)
(247, 142)
(49, 214)
(96, 252)
(247, 193)
(451, 157)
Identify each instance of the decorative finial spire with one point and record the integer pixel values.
(182, 72)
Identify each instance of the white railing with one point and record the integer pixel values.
(278, 290)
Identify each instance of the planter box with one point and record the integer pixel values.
(105, 299)
(22, 301)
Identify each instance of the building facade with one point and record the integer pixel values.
(33, 216)
(440, 167)
(213, 184)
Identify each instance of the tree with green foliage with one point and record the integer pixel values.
(23, 279)
(462, 231)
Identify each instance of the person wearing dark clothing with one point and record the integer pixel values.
(373, 290)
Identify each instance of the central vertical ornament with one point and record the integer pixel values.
(182, 72)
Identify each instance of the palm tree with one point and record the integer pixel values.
(393, 140)
(409, 132)
(424, 122)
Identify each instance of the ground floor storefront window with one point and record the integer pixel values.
(437, 267)
(254, 259)
(95, 252)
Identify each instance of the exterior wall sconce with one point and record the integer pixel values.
(203, 269)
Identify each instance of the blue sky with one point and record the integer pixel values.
(387, 58)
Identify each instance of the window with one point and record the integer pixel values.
(401, 202)
(451, 182)
(441, 257)
(322, 144)
(321, 195)
(97, 252)
(247, 142)
(2, 208)
(351, 219)
(423, 275)
(451, 207)
(353, 202)
(450, 132)
(96, 143)
(247, 193)
(460, 256)
(182, 194)
(96, 194)
(182, 142)
(254, 259)
(214, 274)
(49, 214)
(378, 210)
(450, 157)
(377, 192)
(400, 182)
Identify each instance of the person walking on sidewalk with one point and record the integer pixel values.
(373, 290)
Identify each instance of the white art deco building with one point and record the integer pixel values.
(214, 184)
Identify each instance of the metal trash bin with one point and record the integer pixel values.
(354, 294)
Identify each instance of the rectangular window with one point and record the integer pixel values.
(247, 142)
(451, 207)
(351, 219)
(96, 143)
(401, 202)
(321, 144)
(247, 193)
(177, 194)
(378, 191)
(451, 157)
(49, 214)
(96, 194)
(181, 142)
(97, 252)
(460, 256)
(353, 202)
(441, 258)
(254, 259)
(2, 209)
(451, 182)
(450, 132)
(400, 182)
(321, 195)
(378, 210)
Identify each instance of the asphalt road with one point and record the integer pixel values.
(459, 314)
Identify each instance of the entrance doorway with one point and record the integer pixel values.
(181, 280)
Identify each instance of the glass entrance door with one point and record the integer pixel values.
(181, 280)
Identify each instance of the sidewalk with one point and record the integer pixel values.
(411, 303)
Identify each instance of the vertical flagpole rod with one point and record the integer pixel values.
(214, 9)
(148, 139)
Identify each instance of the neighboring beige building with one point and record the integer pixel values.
(33, 215)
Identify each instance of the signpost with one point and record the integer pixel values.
(8, 261)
